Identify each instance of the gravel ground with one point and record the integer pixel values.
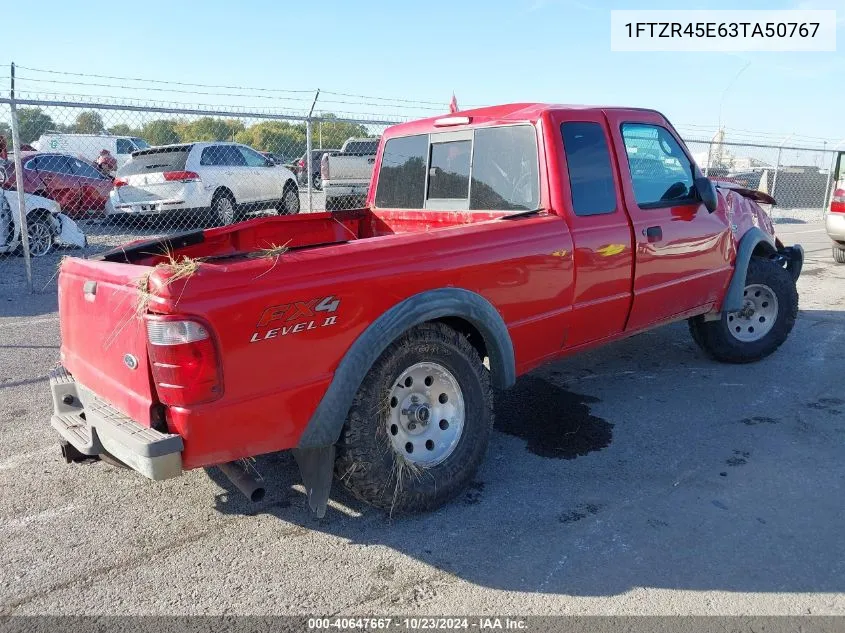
(640, 478)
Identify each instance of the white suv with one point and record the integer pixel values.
(835, 216)
(223, 180)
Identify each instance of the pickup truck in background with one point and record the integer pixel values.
(493, 241)
(345, 175)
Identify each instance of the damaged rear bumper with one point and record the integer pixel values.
(93, 427)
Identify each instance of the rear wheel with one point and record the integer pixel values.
(223, 209)
(839, 254)
(770, 307)
(420, 422)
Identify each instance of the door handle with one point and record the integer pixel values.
(653, 233)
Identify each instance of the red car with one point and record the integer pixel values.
(77, 185)
(368, 341)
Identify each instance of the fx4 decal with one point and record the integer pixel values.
(295, 317)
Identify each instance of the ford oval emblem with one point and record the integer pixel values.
(130, 361)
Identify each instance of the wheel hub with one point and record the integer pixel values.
(426, 414)
(758, 314)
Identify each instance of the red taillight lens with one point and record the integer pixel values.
(837, 202)
(301, 164)
(183, 357)
(181, 176)
(324, 167)
(120, 182)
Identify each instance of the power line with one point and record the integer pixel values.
(159, 81)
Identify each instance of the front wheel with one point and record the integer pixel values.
(419, 425)
(41, 236)
(770, 307)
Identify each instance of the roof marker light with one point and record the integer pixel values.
(452, 120)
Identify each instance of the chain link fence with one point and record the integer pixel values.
(121, 172)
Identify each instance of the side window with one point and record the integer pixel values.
(210, 156)
(125, 146)
(232, 156)
(660, 171)
(253, 158)
(448, 173)
(401, 179)
(85, 170)
(54, 163)
(504, 169)
(588, 164)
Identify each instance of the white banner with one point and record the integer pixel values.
(722, 31)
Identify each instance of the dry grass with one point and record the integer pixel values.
(272, 252)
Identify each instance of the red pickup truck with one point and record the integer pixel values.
(368, 341)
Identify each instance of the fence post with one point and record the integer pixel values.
(16, 147)
(707, 164)
(308, 163)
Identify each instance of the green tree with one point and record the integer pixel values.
(279, 137)
(160, 132)
(32, 123)
(6, 130)
(210, 129)
(331, 133)
(121, 129)
(88, 122)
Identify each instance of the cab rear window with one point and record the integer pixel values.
(492, 168)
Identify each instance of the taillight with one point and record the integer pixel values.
(184, 361)
(324, 167)
(181, 176)
(120, 182)
(301, 164)
(837, 202)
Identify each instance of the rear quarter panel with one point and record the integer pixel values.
(275, 372)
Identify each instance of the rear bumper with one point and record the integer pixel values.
(834, 223)
(340, 189)
(148, 208)
(94, 427)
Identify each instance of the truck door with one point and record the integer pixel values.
(590, 197)
(683, 252)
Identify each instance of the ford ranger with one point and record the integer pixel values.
(368, 341)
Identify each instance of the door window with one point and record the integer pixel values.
(253, 158)
(222, 156)
(53, 163)
(660, 171)
(85, 170)
(125, 146)
(588, 163)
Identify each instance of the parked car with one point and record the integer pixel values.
(47, 226)
(89, 146)
(493, 241)
(834, 220)
(289, 162)
(229, 179)
(78, 186)
(345, 175)
(302, 167)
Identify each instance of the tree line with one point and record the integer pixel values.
(280, 137)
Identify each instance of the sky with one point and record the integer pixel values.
(488, 52)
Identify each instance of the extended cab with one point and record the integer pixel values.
(345, 175)
(368, 341)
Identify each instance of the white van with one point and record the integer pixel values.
(89, 146)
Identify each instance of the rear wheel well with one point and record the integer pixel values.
(472, 334)
(290, 184)
(40, 214)
(222, 191)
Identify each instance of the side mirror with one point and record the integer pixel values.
(2, 176)
(707, 193)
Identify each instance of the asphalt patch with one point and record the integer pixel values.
(553, 422)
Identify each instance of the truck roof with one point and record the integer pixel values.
(509, 112)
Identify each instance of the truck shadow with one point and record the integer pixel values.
(717, 477)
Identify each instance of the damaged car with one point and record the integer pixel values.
(47, 226)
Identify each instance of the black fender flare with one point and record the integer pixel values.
(326, 423)
(747, 244)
